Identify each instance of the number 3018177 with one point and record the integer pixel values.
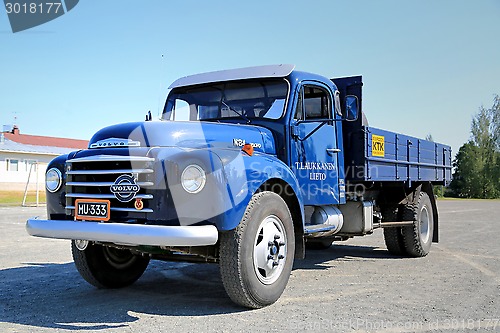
(33, 8)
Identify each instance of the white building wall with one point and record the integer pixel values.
(15, 180)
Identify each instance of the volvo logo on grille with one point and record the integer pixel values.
(125, 188)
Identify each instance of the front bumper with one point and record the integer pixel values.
(124, 234)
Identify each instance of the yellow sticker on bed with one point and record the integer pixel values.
(378, 145)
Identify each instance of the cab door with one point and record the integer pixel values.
(314, 150)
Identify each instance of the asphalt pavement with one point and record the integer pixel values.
(354, 286)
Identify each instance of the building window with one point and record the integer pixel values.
(31, 164)
(12, 165)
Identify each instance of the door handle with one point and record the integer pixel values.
(332, 151)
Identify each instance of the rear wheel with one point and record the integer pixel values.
(108, 267)
(393, 236)
(256, 258)
(418, 237)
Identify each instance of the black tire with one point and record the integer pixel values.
(108, 267)
(418, 237)
(318, 243)
(255, 264)
(393, 236)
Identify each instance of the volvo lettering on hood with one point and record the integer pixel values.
(114, 142)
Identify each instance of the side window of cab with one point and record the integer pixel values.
(314, 103)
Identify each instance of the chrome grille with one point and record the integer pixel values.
(91, 178)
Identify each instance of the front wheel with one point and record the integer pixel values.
(108, 267)
(256, 258)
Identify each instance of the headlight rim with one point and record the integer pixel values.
(59, 176)
(200, 169)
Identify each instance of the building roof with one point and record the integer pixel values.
(15, 147)
(44, 141)
(16, 142)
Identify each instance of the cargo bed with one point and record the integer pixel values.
(379, 155)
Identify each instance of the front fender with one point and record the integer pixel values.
(56, 201)
(245, 175)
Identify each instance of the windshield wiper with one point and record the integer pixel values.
(238, 113)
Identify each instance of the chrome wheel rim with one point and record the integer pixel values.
(270, 250)
(424, 224)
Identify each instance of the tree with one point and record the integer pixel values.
(477, 163)
(495, 118)
(495, 114)
(466, 179)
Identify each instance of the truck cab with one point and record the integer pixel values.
(245, 168)
(301, 113)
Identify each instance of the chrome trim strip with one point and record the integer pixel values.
(111, 158)
(104, 196)
(122, 233)
(108, 172)
(120, 209)
(131, 210)
(141, 184)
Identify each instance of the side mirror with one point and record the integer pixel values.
(351, 108)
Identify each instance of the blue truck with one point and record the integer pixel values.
(246, 168)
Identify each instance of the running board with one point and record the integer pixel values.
(312, 229)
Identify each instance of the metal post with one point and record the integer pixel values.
(37, 189)
(26, 188)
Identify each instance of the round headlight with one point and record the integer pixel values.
(193, 178)
(53, 180)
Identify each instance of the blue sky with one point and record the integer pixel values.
(427, 65)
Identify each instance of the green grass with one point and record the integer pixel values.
(457, 199)
(15, 198)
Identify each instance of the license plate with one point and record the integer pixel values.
(92, 209)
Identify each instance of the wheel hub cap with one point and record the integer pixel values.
(424, 225)
(270, 250)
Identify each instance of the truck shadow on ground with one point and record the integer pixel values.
(315, 259)
(55, 296)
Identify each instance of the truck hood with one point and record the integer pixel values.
(184, 134)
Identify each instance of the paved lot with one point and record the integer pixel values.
(352, 287)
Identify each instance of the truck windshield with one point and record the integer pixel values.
(245, 100)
